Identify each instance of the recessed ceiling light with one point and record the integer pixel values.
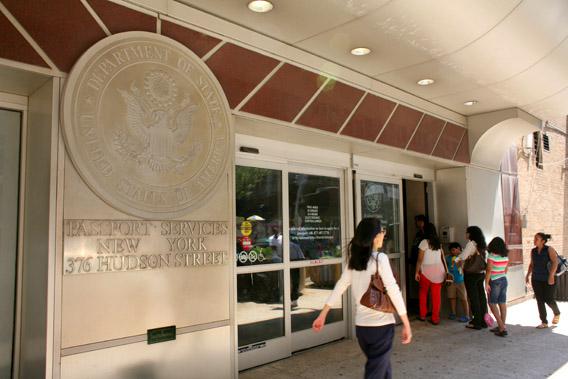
(469, 103)
(425, 82)
(260, 6)
(360, 51)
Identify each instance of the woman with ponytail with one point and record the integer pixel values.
(375, 329)
(542, 274)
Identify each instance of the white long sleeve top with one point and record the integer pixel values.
(359, 281)
(469, 249)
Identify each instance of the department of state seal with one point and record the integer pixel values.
(146, 124)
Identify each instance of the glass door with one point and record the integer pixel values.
(288, 256)
(381, 198)
(9, 188)
(316, 244)
(261, 283)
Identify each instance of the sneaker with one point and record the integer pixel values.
(542, 326)
(555, 319)
(463, 319)
(452, 316)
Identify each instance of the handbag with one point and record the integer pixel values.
(562, 265)
(475, 264)
(376, 296)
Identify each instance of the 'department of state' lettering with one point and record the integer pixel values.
(146, 125)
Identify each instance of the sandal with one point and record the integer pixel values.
(555, 319)
(501, 333)
(494, 330)
(542, 326)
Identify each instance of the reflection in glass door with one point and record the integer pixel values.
(260, 268)
(315, 248)
(287, 262)
(382, 199)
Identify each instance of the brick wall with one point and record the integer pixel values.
(543, 194)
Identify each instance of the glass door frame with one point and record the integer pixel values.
(401, 255)
(18, 103)
(305, 339)
(282, 347)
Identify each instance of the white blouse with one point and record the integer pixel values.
(359, 281)
(432, 265)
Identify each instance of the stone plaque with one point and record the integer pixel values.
(103, 246)
(146, 125)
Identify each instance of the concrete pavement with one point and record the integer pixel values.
(445, 351)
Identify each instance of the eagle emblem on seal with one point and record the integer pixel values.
(157, 125)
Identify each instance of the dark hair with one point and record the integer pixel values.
(361, 246)
(497, 246)
(543, 236)
(420, 218)
(454, 245)
(476, 235)
(432, 237)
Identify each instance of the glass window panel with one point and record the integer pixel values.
(260, 310)
(9, 187)
(310, 288)
(259, 215)
(382, 200)
(315, 217)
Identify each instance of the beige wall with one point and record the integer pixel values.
(544, 195)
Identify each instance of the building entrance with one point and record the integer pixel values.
(10, 126)
(289, 249)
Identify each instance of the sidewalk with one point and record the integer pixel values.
(445, 351)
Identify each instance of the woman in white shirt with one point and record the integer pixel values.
(430, 273)
(375, 329)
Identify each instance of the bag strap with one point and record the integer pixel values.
(444, 260)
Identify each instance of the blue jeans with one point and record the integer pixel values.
(498, 294)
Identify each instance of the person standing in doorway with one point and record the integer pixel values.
(496, 283)
(412, 287)
(430, 273)
(374, 329)
(472, 259)
(542, 273)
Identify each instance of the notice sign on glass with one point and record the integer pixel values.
(100, 246)
(315, 217)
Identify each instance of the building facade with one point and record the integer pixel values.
(178, 191)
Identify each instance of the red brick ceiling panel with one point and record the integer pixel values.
(462, 154)
(449, 141)
(122, 19)
(239, 70)
(14, 47)
(285, 94)
(64, 29)
(197, 42)
(331, 107)
(426, 135)
(400, 127)
(369, 118)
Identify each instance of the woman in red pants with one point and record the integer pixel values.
(430, 273)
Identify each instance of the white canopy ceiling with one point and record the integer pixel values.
(501, 53)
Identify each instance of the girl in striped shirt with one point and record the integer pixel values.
(496, 283)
